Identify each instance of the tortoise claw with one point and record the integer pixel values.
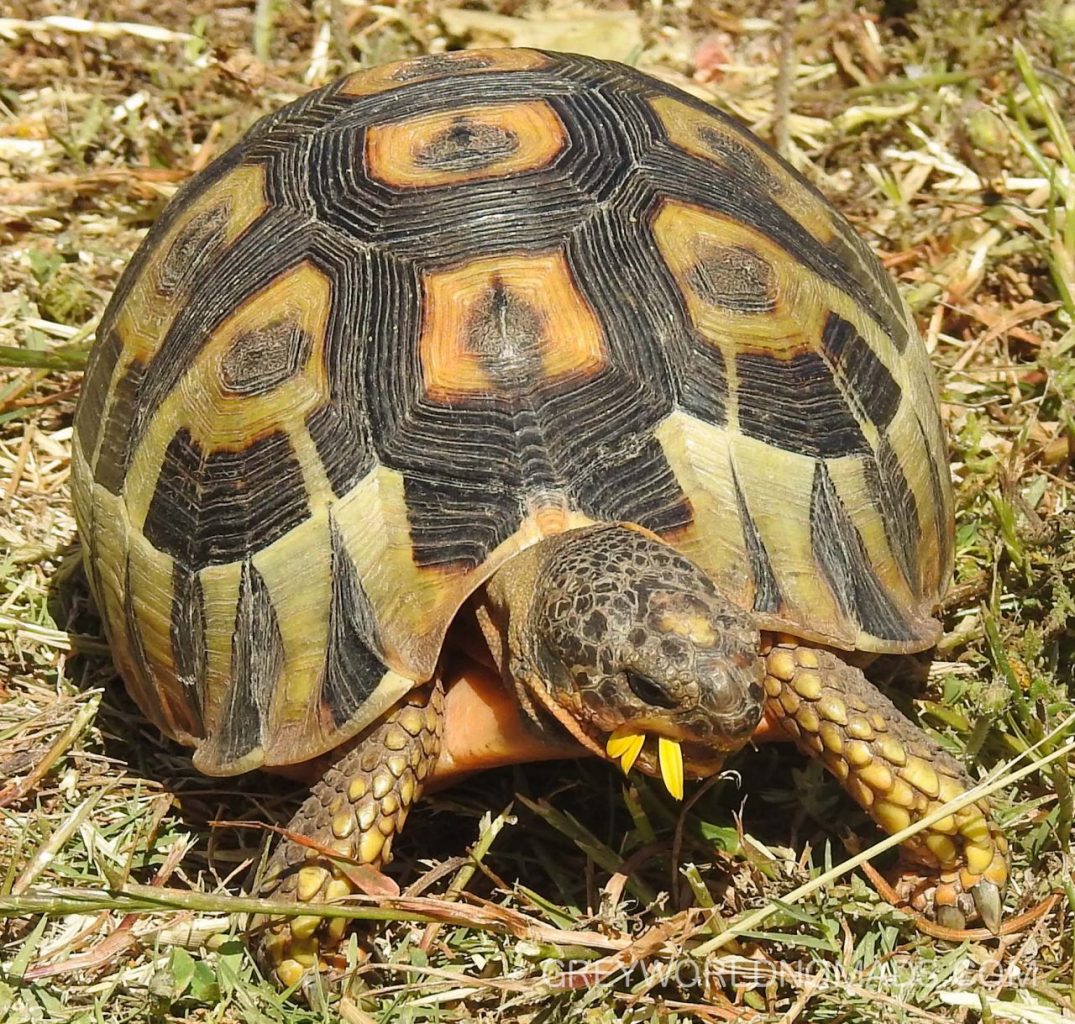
(951, 917)
(986, 897)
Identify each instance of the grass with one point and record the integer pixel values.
(556, 893)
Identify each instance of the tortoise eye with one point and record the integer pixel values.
(648, 690)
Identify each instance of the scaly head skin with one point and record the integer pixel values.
(629, 645)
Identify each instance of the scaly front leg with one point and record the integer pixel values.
(893, 770)
(356, 809)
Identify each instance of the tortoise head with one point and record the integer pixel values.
(630, 645)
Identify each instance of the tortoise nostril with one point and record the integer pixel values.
(648, 690)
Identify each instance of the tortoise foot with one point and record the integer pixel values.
(355, 811)
(947, 898)
(895, 772)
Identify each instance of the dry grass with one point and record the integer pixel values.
(940, 129)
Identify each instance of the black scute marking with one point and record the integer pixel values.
(261, 359)
(257, 662)
(287, 128)
(842, 555)
(642, 309)
(892, 495)
(467, 146)
(767, 596)
(340, 428)
(796, 405)
(221, 506)
(187, 629)
(870, 385)
(458, 514)
(439, 64)
(600, 436)
(353, 668)
(705, 384)
(734, 277)
(192, 249)
(117, 443)
(630, 479)
(341, 438)
(505, 332)
(95, 389)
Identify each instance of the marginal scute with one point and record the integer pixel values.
(257, 661)
(700, 457)
(90, 415)
(138, 665)
(187, 622)
(841, 554)
(114, 457)
(891, 495)
(930, 485)
(148, 640)
(353, 667)
(767, 598)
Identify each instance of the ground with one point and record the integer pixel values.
(557, 893)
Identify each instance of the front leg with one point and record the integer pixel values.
(893, 770)
(356, 809)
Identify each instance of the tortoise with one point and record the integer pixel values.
(502, 405)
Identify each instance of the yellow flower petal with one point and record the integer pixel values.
(670, 756)
(625, 745)
(620, 740)
(630, 755)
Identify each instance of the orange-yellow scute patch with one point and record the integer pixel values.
(220, 415)
(423, 69)
(221, 400)
(704, 135)
(743, 292)
(504, 321)
(205, 227)
(450, 147)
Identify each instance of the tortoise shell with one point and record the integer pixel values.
(425, 316)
